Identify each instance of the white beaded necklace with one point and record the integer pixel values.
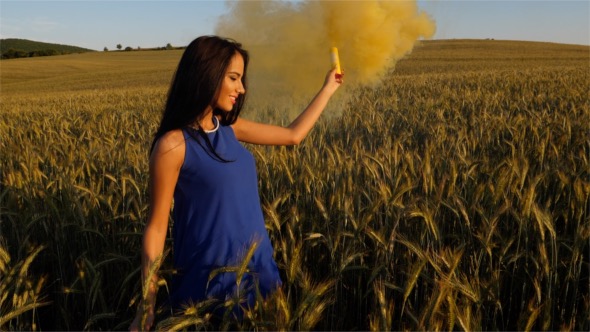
(214, 129)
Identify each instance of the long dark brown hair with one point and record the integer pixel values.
(196, 86)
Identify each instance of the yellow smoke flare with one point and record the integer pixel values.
(335, 60)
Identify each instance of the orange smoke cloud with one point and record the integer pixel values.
(290, 42)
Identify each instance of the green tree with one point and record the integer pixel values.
(119, 46)
(105, 49)
(13, 54)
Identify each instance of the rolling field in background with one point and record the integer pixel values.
(454, 194)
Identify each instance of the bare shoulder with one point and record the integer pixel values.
(170, 146)
(171, 140)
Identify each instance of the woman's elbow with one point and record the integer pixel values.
(296, 139)
(293, 137)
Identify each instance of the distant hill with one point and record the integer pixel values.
(18, 48)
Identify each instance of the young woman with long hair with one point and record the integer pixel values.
(197, 162)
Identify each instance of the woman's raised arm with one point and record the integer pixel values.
(265, 134)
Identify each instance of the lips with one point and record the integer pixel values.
(233, 99)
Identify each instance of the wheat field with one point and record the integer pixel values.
(453, 195)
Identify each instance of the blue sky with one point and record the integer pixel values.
(96, 24)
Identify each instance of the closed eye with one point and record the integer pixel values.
(234, 76)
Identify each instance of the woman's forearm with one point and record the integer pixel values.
(307, 119)
(152, 249)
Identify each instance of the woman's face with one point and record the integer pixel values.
(232, 86)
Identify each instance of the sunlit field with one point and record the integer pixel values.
(453, 195)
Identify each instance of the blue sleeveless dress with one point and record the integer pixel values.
(217, 216)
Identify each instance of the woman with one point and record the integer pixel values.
(197, 161)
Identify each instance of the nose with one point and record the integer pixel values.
(241, 88)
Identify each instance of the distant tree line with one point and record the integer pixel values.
(13, 54)
(16, 53)
(11, 48)
(129, 48)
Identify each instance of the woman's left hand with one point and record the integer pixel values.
(333, 81)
